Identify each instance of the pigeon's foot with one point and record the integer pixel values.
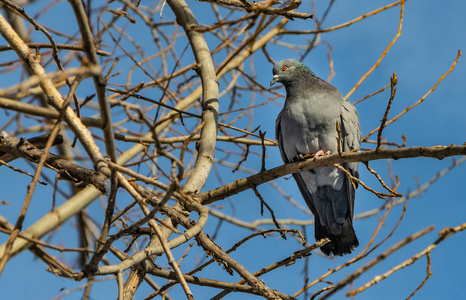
(321, 153)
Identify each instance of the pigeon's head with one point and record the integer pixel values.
(289, 70)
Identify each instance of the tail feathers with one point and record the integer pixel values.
(340, 244)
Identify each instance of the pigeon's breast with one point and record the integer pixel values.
(304, 133)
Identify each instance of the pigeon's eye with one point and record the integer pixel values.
(284, 68)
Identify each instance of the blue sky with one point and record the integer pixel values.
(433, 32)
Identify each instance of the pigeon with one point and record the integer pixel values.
(307, 126)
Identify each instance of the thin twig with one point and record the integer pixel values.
(258, 195)
(443, 235)
(284, 262)
(337, 124)
(372, 171)
(365, 186)
(393, 83)
(371, 95)
(362, 17)
(428, 274)
(262, 137)
(452, 67)
(376, 65)
(172, 262)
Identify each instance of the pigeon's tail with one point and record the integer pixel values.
(333, 214)
(340, 244)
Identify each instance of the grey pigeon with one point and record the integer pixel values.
(307, 126)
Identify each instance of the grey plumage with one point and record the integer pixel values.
(306, 125)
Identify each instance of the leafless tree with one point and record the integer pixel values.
(126, 97)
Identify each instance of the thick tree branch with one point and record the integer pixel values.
(59, 46)
(241, 185)
(264, 7)
(208, 137)
(66, 170)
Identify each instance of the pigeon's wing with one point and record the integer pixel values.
(279, 137)
(351, 140)
(289, 157)
(350, 130)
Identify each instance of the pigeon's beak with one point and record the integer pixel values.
(274, 80)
